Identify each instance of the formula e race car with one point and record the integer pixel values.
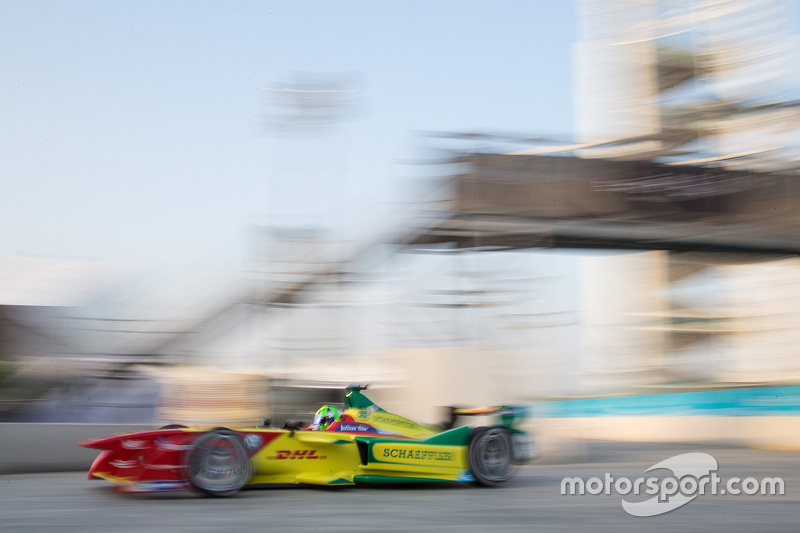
(363, 444)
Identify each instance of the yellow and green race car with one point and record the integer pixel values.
(361, 444)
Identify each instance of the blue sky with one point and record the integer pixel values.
(133, 131)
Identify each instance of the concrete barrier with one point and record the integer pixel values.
(32, 447)
(564, 439)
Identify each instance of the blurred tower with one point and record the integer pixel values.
(616, 86)
(622, 298)
(689, 81)
(703, 83)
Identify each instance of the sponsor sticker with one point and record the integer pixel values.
(297, 454)
(135, 444)
(120, 463)
(410, 454)
(355, 428)
(252, 442)
(167, 445)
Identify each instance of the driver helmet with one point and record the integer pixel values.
(327, 415)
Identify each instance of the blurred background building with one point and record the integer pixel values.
(673, 211)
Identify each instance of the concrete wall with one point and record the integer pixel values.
(562, 440)
(52, 447)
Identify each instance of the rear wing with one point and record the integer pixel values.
(507, 414)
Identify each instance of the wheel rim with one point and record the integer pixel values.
(494, 456)
(220, 465)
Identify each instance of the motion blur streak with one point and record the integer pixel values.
(636, 283)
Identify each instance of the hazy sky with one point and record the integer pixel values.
(134, 130)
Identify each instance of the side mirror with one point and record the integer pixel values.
(294, 424)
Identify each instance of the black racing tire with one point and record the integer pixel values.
(218, 463)
(491, 456)
(173, 426)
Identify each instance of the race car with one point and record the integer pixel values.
(362, 444)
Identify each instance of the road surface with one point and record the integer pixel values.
(69, 502)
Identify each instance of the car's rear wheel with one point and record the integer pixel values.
(491, 456)
(218, 463)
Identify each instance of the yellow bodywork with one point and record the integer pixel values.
(317, 458)
(332, 458)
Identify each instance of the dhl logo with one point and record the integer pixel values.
(297, 454)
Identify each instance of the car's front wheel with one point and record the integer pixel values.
(173, 426)
(218, 463)
(491, 456)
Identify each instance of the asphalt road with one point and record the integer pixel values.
(67, 501)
